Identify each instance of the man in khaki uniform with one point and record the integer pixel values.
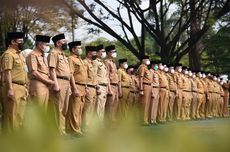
(14, 83)
(60, 74)
(78, 81)
(155, 92)
(220, 101)
(186, 95)
(113, 88)
(226, 99)
(125, 86)
(194, 99)
(134, 92)
(39, 72)
(179, 96)
(172, 92)
(206, 96)
(102, 82)
(145, 84)
(90, 99)
(200, 96)
(163, 94)
(209, 95)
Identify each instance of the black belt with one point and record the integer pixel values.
(22, 84)
(155, 87)
(63, 78)
(186, 91)
(80, 84)
(114, 84)
(103, 84)
(91, 86)
(125, 86)
(147, 83)
(133, 91)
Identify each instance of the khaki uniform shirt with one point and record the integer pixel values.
(146, 74)
(172, 82)
(78, 69)
(124, 78)
(163, 80)
(57, 60)
(91, 71)
(112, 70)
(35, 62)
(13, 61)
(102, 72)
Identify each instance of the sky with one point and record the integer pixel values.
(81, 32)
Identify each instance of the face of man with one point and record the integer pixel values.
(77, 50)
(44, 47)
(62, 44)
(101, 53)
(17, 44)
(112, 53)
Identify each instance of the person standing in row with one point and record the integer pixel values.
(163, 94)
(78, 81)
(172, 92)
(145, 83)
(179, 96)
(113, 87)
(90, 99)
(60, 74)
(155, 93)
(126, 83)
(14, 89)
(102, 82)
(39, 72)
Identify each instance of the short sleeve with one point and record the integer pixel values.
(52, 60)
(7, 62)
(32, 63)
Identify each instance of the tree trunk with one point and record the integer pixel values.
(194, 53)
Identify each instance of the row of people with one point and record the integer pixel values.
(80, 87)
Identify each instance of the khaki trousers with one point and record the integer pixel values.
(163, 104)
(61, 102)
(39, 93)
(74, 116)
(13, 108)
(101, 101)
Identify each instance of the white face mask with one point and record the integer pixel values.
(194, 76)
(161, 67)
(221, 83)
(204, 76)
(180, 70)
(114, 55)
(215, 78)
(46, 49)
(126, 66)
(186, 72)
(103, 55)
(166, 69)
(172, 71)
(190, 74)
(79, 52)
(147, 62)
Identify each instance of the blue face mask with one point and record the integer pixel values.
(155, 67)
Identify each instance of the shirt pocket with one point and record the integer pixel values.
(18, 63)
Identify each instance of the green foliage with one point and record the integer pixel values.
(216, 56)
